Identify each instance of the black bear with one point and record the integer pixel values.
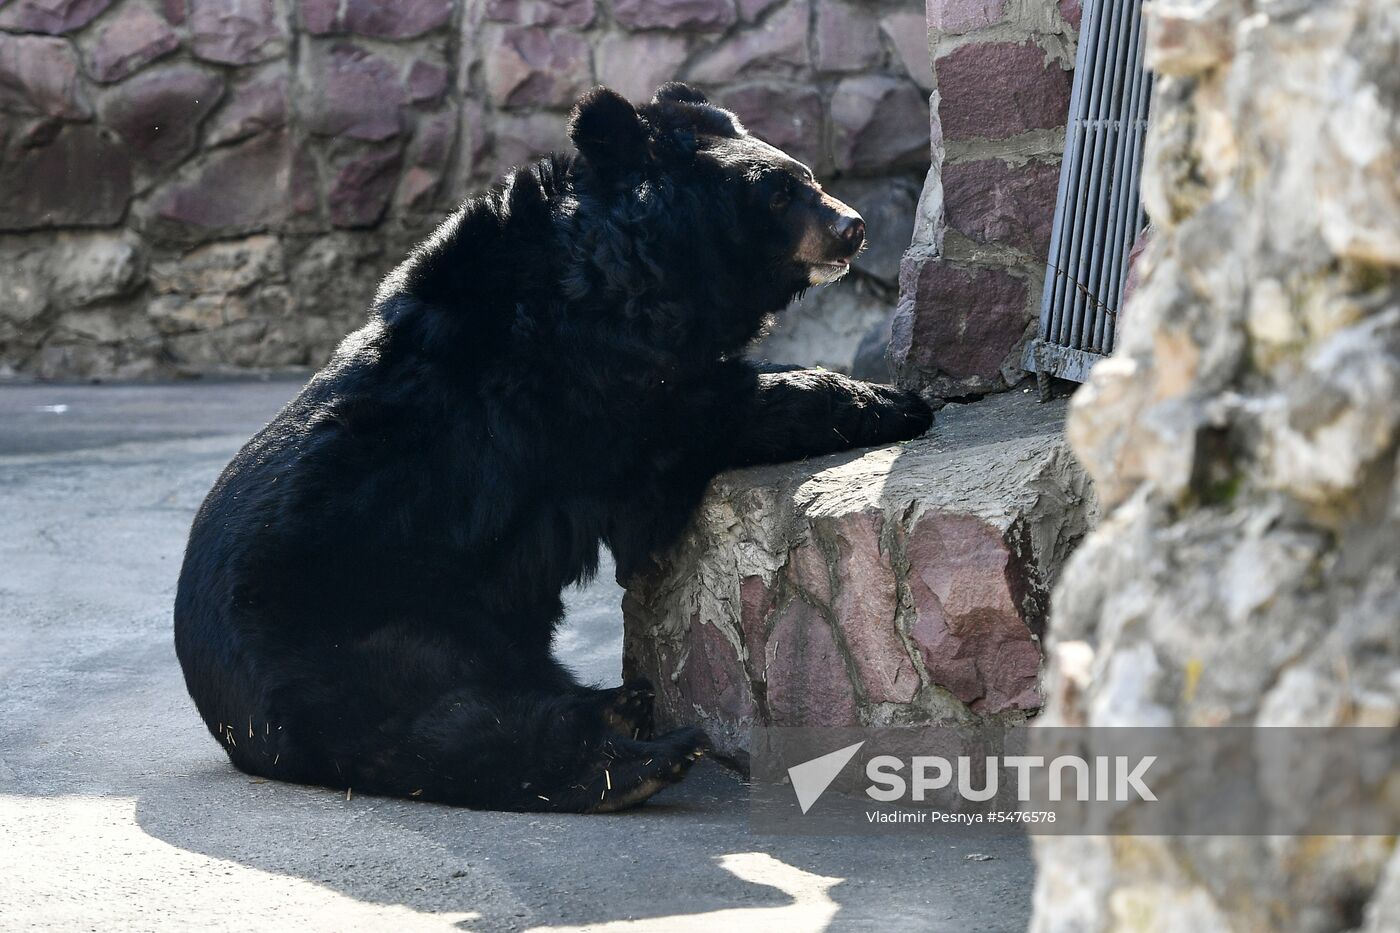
(370, 590)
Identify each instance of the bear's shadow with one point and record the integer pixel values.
(510, 871)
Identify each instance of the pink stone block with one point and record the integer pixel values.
(235, 32)
(908, 34)
(354, 93)
(992, 202)
(954, 17)
(39, 77)
(847, 38)
(788, 116)
(996, 90)
(777, 45)
(1072, 11)
(54, 17)
(128, 41)
(426, 81)
(320, 17)
(379, 19)
(757, 602)
(968, 624)
(964, 322)
(396, 19)
(879, 123)
(674, 14)
(238, 188)
(636, 64)
(752, 10)
(576, 13)
(252, 108)
(432, 144)
(519, 138)
(74, 175)
(360, 192)
(865, 611)
(530, 66)
(808, 571)
(808, 684)
(713, 677)
(158, 112)
(304, 183)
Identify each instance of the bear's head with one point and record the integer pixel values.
(741, 222)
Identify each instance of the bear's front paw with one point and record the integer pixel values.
(903, 415)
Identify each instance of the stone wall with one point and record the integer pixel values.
(210, 185)
(970, 283)
(904, 584)
(1246, 435)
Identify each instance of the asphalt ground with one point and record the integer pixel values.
(119, 812)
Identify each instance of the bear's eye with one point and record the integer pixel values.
(782, 197)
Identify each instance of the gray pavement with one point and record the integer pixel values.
(118, 811)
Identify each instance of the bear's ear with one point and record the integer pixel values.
(608, 130)
(677, 92)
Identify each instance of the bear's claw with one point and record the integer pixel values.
(627, 710)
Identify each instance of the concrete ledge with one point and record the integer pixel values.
(900, 584)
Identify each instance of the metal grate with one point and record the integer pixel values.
(1097, 213)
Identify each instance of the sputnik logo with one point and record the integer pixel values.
(811, 778)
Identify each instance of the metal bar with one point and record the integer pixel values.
(1088, 204)
(1097, 214)
(1070, 176)
(1143, 101)
(1088, 308)
(1064, 283)
(1129, 209)
(1070, 259)
(1068, 166)
(1092, 307)
(1103, 280)
(1114, 220)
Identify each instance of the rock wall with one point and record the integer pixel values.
(903, 584)
(1246, 435)
(969, 287)
(210, 185)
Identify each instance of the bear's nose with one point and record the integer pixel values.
(850, 229)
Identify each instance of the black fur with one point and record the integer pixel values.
(371, 589)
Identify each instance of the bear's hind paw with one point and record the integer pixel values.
(649, 767)
(627, 710)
